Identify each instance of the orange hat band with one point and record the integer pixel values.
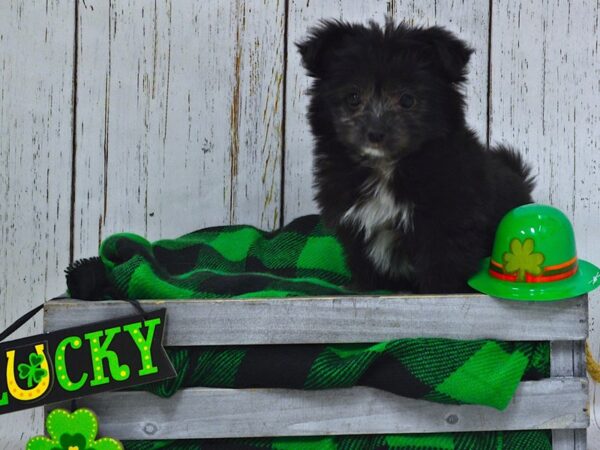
(551, 273)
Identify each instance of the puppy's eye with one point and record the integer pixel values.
(353, 99)
(407, 101)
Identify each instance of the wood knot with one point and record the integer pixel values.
(150, 429)
(452, 419)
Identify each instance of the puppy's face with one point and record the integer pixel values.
(383, 92)
(375, 114)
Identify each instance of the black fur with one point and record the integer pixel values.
(388, 114)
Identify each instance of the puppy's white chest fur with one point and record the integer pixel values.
(382, 218)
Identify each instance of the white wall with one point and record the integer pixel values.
(164, 117)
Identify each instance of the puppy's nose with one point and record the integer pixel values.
(375, 136)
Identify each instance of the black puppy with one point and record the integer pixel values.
(411, 191)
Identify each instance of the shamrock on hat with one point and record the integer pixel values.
(76, 431)
(534, 258)
(522, 259)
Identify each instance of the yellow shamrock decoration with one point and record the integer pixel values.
(521, 259)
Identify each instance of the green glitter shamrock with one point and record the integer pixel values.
(75, 431)
(32, 371)
(521, 259)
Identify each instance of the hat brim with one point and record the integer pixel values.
(585, 280)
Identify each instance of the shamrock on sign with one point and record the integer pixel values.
(32, 371)
(521, 259)
(76, 431)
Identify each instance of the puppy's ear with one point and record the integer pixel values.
(448, 54)
(318, 48)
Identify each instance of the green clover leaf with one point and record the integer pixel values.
(76, 431)
(72, 441)
(38, 374)
(32, 372)
(521, 259)
(35, 359)
(24, 370)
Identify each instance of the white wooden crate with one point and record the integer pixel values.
(559, 403)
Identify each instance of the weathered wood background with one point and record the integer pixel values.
(161, 117)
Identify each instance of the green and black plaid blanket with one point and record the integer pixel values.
(304, 258)
(500, 440)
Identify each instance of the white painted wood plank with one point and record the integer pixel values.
(179, 117)
(468, 19)
(544, 100)
(570, 440)
(36, 83)
(586, 148)
(580, 439)
(562, 359)
(567, 359)
(565, 439)
(211, 413)
(536, 65)
(342, 319)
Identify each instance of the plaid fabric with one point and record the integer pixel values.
(500, 440)
(440, 370)
(303, 258)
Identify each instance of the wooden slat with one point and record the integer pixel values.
(531, 97)
(561, 364)
(212, 413)
(343, 319)
(543, 100)
(179, 114)
(583, 41)
(36, 92)
(468, 19)
(568, 359)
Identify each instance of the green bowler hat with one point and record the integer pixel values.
(534, 258)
